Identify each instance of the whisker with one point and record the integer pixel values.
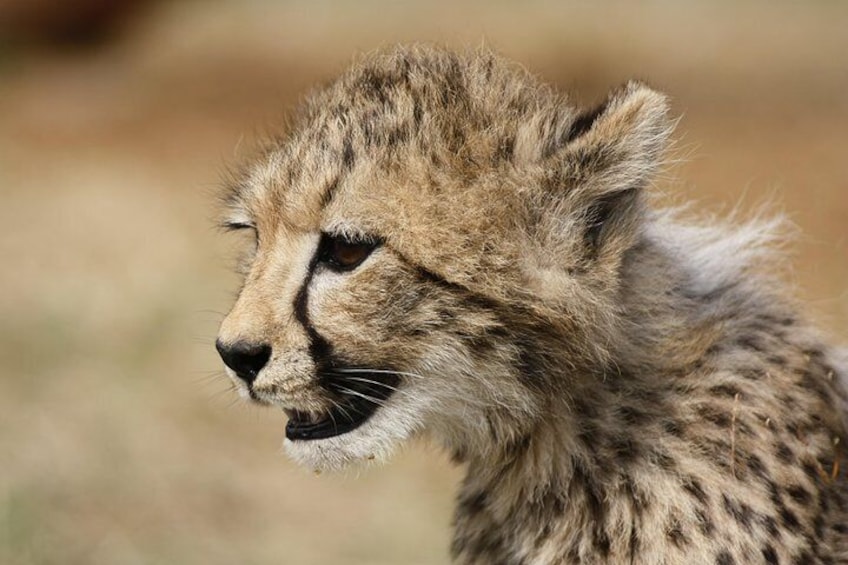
(203, 340)
(342, 409)
(224, 393)
(207, 311)
(372, 382)
(207, 377)
(333, 418)
(363, 396)
(378, 371)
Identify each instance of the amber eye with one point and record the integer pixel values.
(343, 254)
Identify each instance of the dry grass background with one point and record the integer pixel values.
(119, 442)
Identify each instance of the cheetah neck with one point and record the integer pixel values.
(589, 464)
(561, 475)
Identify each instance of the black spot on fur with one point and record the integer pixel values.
(601, 542)
(714, 349)
(789, 519)
(454, 137)
(714, 415)
(811, 470)
(632, 416)
(739, 511)
(756, 466)
(417, 112)
(330, 191)
(663, 460)
(368, 133)
(725, 558)
(752, 374)
(459, 455)
(725, 390)
(505, 149)
(750, 343)
(705, 522)
(493, 432)
(674, 533)
(718, 451)
(803, 558)
(397, 136)
(375, 85)
(783, 453)
(639, 500)
(627, 449)
(778, 360)
(573, 553)
(799, 494)
(487, 545)
(546, 506)
(815, 384)
(814, 354)
(794, 427)
(818, 526)
(583, 481)
(770, 525)
(770, 555)
(348, 155)
(634, 544)
(479, 345)
(473, 503)
(519, 447)
(673, 427)
(694, 488)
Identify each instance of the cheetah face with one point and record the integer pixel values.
(431, 233)
(359, 347)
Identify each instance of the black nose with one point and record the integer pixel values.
(246, 359)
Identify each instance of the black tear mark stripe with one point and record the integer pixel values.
(319, 348)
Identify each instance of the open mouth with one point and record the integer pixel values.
(356, 398)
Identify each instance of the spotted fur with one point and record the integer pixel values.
(623, 386)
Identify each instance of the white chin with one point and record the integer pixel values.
(375, 440)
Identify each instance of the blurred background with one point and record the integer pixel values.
(119, 439)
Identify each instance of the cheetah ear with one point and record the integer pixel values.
(618, 145)
(606, 157)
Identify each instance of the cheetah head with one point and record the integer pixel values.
(433, 237)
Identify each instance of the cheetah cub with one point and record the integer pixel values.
(444, 247)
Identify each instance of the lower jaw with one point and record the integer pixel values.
(330, 426)
(354, 403)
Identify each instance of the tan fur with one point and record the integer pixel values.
(622, 386)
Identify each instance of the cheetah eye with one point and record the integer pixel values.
(244, 227)
(344, 254)
(237, 226)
